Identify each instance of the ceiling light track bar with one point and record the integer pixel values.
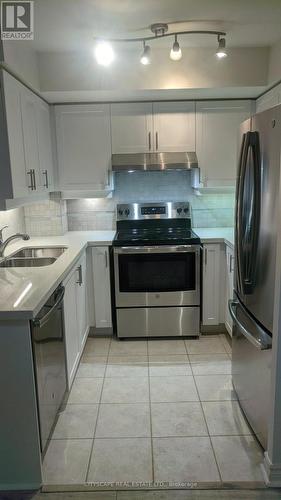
(156, 37)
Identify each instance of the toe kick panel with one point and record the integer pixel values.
(158, 322)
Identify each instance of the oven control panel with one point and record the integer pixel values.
(165, 210)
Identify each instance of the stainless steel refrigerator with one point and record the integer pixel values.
(257, 193)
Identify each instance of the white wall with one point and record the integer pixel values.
(199, 68)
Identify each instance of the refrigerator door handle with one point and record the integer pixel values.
(240, 187)
(250, 143)
(261, 341)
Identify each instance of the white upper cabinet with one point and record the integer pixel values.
(30, 135)
(12, 97)
(83, 145)
(217, 129)
(143, 127)
(29, 141)
(131, 127)
(45, 145)
(174, 126)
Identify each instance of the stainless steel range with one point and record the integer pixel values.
(157, 271)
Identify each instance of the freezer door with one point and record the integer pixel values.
(251, 369)
(256, 217)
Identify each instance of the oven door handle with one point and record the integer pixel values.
(157, 249)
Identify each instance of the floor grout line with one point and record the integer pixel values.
(150, 412)
(205, 421)
(92, 447)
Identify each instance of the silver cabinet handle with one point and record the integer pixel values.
(46, 185)
(31, 185)
(156, 137)
(231, 258)
(149, 141)
(80, 276)
(34, 179)
(106, 260)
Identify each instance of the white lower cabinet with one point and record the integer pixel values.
(229, 275)
(102, 293)
(211, 284)
(75, 316)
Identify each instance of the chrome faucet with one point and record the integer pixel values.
(3, 243)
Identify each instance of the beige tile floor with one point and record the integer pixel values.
(153, 412)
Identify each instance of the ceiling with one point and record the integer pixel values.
(70, 25)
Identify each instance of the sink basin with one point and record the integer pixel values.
(32, 262)
(36, 252)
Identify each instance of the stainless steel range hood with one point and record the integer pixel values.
(129, 162)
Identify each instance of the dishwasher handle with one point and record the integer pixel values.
(38, 323)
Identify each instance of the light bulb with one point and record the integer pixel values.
(176, 53)
(221, 51)
(145, 57)
(104, 53)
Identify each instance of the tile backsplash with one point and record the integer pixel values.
(55, 216)
(14, 219)
(208, 210)
(48, 218)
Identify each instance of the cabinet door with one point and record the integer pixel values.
(211, 284)
(174, 126)
(30, 136)
(131, 127)
(45, 145)
(71, 327)
(82, 309)
(217, 128)
(229, 287)
(15, 135)
(83, 145)
(102, 296)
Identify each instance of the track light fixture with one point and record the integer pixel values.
(145, 57)
(104, 53)
(176, 53)
(221, 50)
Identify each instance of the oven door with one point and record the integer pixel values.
(157, 276)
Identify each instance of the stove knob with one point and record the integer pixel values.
(120, 212)
(185, 210)
(179, 210)
(127, 212)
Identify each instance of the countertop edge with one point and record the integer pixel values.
(30, 313)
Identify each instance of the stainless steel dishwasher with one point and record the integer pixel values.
(49, 362)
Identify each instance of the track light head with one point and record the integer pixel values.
(145, 57)
(176, 53)
(221, 50)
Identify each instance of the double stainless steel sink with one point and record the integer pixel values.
(33, 257)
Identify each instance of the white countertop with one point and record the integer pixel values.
(216, 235)
(25, 290)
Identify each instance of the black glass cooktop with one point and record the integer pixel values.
(155, 236)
